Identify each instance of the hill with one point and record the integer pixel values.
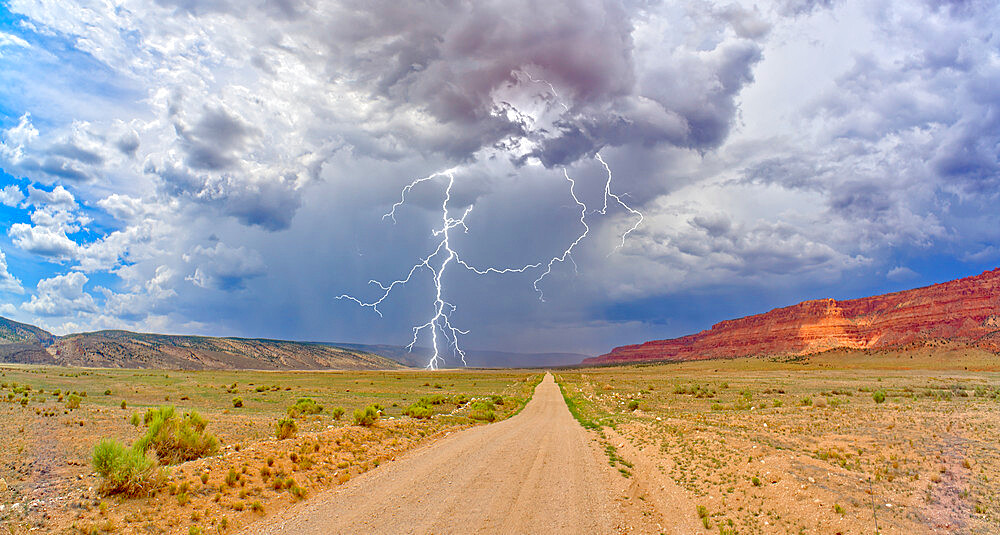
(964, 310)
(21, 343)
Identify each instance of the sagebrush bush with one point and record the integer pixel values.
(286, 428)
(72, 403)
(417, 410)
(337, 412)
(633, 404)
(366, 417)
(177, 439)
(482, 410)
(237, 402)
(878, 396)
(124, 470)
(304, 406)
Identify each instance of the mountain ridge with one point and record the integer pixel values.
(965, 310)
(27, 344)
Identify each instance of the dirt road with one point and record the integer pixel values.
(533, 473)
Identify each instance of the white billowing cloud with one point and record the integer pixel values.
(901, 274)
(8, 309)
(8, 282)
(62, 295)
(10, 195)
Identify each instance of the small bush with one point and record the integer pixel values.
(838, 509)
(482, 410)
(633, 404)
(286, 428)
(878, 396)
(366, 417)
(72, 403)
(337, 412)
(177, 439)
(755, 481)
(135, 420)
(124, 405)
(304, 406)
(418, 411)
(257, 507)
(204, 478)
(107, 392)
(124, 470)
(237, 402)
(806, 401)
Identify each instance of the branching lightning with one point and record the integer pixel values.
(440, 324)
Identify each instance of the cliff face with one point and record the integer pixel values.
(964, 310)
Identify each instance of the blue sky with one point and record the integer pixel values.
(224, 167)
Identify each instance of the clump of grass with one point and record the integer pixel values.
(126, 471)
(124, 405)
(237, 402)
(232, 477)
(177, 439)
(304, 406)
(286, 428)
(337, 412)
(204, 478)
(73, 402)
(755, 481)
(257, 507)
(633, 404)
(806, 401)
(878, 396)
(135, 420)
(107, 392)
(838, 509)
(703, 515)
(366, 417)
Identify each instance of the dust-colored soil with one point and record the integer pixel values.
(534, 473)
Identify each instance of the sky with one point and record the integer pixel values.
(224, 167)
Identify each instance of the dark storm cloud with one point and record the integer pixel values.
(215, 141)
(270, 203)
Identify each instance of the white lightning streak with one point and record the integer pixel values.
(437, 262)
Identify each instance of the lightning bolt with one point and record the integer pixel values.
(440, 324)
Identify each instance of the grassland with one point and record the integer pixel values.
(805, 445)
(45, 453)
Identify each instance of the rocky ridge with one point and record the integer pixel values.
(964, 310)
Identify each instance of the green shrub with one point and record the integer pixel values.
(755, 481)
(107, 392)
(337, 412)
(72, 403)
(135, 420)
(806, 401)
(177, 439)
(366, 417)
(237, 402)
(124, 404)
(878, 396)
(482, 410)
(286, 428)
(418, 410)
(633, 404)
(232, 477)
(124, 470)
(838, 509)
(304, 406)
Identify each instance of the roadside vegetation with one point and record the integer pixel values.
(819, 444)
(199, 452)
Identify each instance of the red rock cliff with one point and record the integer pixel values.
(965, 309)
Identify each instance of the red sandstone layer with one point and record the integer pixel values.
(964, 310)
